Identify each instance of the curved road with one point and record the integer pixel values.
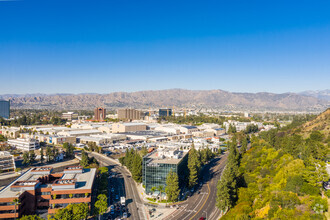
(126, 188)
(203, 204)
(200, 204)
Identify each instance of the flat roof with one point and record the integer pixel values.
(83, 181)
(133, 124)
(166, 160)
(83, 131)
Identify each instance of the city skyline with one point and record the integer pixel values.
(79, 47)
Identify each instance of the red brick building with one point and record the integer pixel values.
(39, 190)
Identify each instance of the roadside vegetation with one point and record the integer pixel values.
(280, 177)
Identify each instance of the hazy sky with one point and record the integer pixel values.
(77, 46)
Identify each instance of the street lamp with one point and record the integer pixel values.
(206, 214)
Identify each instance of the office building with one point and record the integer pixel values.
(157, 164)
(4, 109)
(128, 127)
(7, 162)
(129, 114)
(165, 112)
(41, 190)
(99, 114)
(24, 144)
(10, 132)
(70, 116)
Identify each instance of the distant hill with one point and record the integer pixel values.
(320, 123)
(320, 94)
(173, 97)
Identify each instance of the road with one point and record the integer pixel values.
(124, 186)
(202, 202)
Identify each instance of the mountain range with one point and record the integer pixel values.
(179, 98)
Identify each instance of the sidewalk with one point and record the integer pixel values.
(161, 210)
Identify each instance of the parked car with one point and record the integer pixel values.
(125, 215)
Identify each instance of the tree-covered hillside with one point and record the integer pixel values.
(280, 177)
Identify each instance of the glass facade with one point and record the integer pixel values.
(165, 112)
(4, 109)
(155, 174)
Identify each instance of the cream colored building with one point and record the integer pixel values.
(10, 132)
(128, 127)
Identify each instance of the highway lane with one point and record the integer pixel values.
(203, 204)
(127, 187)
(198, 205)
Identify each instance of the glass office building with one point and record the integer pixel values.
(157, 165)
(165, 112)
(4, 109)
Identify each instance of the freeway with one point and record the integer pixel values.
(202, 202)
(124, 186)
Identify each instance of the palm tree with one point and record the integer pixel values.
(161, 190)
(16, 202)
(153, 189)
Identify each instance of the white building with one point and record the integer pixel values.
(70, 116)
(7, 162)
(24, 144)
(188, 129)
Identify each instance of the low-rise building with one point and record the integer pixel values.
(7, 161)
(70, 116)
(128, 127)
(188, 129)
(10, 132)
(40, 189)
(24, 144)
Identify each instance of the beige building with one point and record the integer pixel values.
(129, 114)
(10, 132)
(128, 127)
(203, 134)
(7, 162)
(70, 116)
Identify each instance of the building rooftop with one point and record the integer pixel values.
(166, 156)
(133, 124)
(31, 180)
(189, 127)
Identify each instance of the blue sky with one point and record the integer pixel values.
(77, 46)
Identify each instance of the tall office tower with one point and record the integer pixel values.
(129, 114)
(4, 109)
(165, 112)
(99, 114)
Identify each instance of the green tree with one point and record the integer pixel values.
(223, 194)
(26, 158)
(101, 204)
(31, 217)
(227, 185)
(84, 159)
(80, 211)
(161, 190)
(244, 145)
(69, 150)
(42, 158)
(143, 151)
(172, 186)
(194, 165)
(137, 168)
(153, 189)
(49, 154)
(231, 129)
(32, 157)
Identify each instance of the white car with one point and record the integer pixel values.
(125, 215)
